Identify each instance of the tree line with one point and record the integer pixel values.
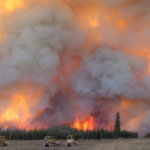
(62, 132)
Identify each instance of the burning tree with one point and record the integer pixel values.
(117, 126)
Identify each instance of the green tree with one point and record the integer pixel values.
(117, 126)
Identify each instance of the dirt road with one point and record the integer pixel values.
(120, 144)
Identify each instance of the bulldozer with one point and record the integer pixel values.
(50, 141)
(3, 141)
(71, 141)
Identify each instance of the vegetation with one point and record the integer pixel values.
(148, 135)
(117, 131)
(62, 132)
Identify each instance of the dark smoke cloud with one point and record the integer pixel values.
(58, 112)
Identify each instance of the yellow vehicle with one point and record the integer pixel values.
(3, 142)
(71, 141)
(51, 141)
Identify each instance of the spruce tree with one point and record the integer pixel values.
(117, 126)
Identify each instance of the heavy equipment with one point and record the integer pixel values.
(3, 141)
(71, 141)
(51, 141)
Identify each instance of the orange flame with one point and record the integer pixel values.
(84, 125)
(18, 111)
(13, 4)
(10, 5)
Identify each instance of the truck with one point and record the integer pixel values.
(3, 141)
(71, 141)
(50, 141)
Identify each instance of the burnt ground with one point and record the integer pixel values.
(119, 144)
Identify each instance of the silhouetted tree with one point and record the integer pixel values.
(117, 126)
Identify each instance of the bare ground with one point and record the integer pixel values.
(119, 144)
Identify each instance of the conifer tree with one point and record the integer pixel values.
(117, 126)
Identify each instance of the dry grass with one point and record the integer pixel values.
(120, 144)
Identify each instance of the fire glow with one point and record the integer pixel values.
(13, 4)
(84, 125)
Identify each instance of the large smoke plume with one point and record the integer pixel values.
(67, 59)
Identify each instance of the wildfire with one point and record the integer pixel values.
(84, 125)
(13, 4)
(18, 110)
(130, 122)
(70, 31)
(10, 5)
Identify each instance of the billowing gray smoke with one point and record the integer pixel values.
(109, 73)
(83, 58)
